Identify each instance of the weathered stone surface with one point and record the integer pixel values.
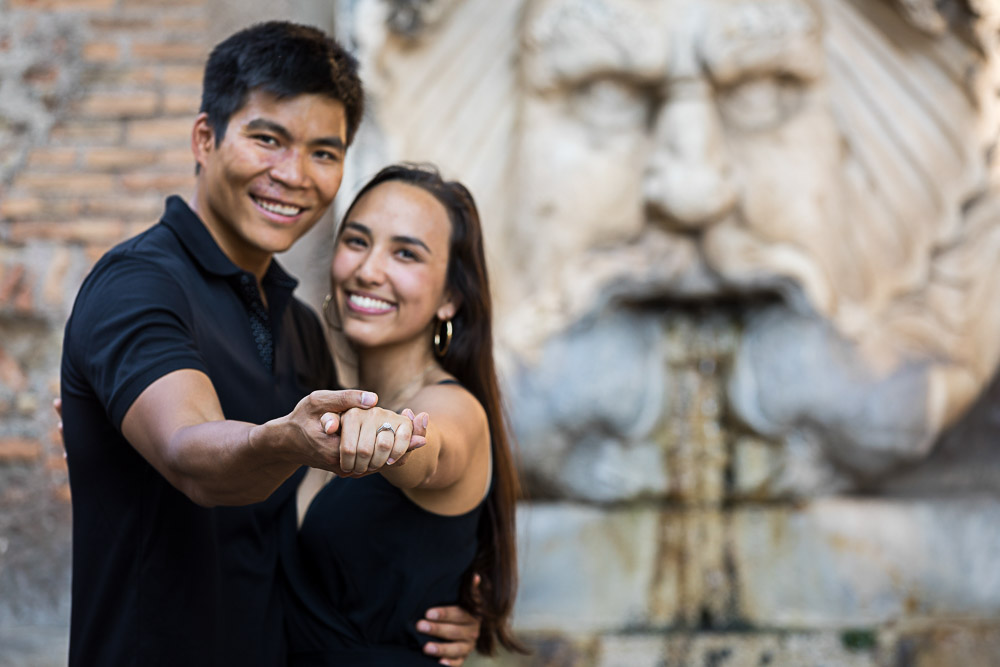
(846, 563)
(584, 570)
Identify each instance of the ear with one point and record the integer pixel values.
(450, 303)
(202, 139)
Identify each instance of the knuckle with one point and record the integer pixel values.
(364, 451)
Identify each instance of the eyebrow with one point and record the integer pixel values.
(276, 128)
(409, 240)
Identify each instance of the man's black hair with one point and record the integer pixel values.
(283, 59)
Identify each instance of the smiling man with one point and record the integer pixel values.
(193, 381)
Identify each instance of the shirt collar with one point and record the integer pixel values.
(195, 237)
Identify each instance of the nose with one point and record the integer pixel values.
(290, 169)
(371, 271)
(689, 180)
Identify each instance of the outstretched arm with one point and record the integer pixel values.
(177, 425)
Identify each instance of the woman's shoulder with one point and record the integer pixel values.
(448, 397)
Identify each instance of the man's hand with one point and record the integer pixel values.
(312, 430)
(458, 627)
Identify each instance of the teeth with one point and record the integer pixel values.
(280, 209)
(369, 303)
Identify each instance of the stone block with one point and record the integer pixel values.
(583, 569)
(850, 562)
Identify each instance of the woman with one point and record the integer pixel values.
(410, 295)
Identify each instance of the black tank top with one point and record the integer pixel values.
(363, 568)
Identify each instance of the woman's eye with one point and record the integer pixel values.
(407, 254)
(354, 242)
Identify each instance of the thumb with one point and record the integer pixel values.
(343, 400)
(420, 422)
(330, 422)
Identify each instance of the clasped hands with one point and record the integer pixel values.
(359, 443)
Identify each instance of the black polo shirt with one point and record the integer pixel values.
(158, 580)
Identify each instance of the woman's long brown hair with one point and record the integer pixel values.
(469, 358)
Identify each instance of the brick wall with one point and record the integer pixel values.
(97, 98)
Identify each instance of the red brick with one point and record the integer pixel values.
(12, 280)
(125, 208)
(159, 3)
(170, 51)
(160, 131)
(120, 23)
(55, 276)
(177, 159)
(41, 75)
(68, 183)
(19, 208)
(103, 233)
(187, 103)
(101, 52)
(159, 182)
(19, 450)
(120, 76)
(62, 493)
(119, 158)
(56, 463)
(184, 25)
(51, 157)
(11, 374)
(86, 132)
(183, 75)
(61, 5)
(120, 105)
(134, 228)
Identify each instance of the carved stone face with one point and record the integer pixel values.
(693, 125)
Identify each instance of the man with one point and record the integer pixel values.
(185, 363)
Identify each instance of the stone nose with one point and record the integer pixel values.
(689, 181)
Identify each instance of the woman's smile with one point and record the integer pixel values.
(369, 305)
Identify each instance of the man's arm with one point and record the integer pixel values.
(178, 426)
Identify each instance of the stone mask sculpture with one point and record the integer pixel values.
(826, 165)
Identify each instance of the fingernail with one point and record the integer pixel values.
(432, 614)
(423, 626)
(431, 648)
(368, 399)
(390, 462)
(426, 420)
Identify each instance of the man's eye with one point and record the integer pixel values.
(266, 139)
(328, 156)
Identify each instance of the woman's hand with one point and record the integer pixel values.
(365, 446)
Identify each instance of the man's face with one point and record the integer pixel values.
(699, 128)
(272, 176)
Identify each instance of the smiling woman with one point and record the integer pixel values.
(411, 296)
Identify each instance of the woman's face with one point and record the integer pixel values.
(390, 265)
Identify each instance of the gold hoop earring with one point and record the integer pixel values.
(327, 300)
(441, 348)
